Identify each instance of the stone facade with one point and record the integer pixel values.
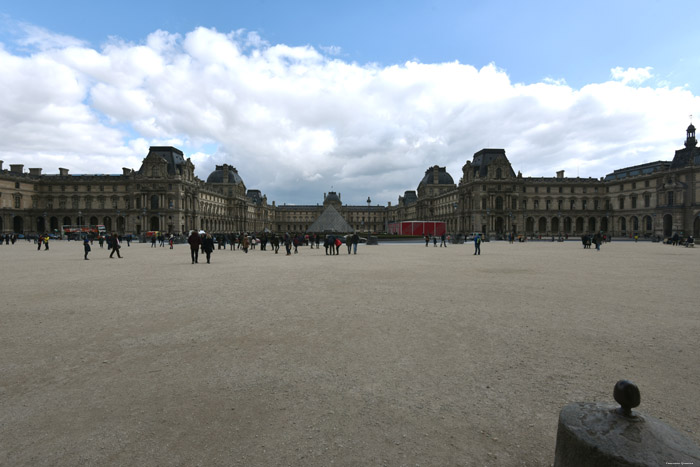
(653, 199)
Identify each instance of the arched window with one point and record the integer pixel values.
(154, 202)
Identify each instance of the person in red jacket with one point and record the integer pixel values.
(195, 241)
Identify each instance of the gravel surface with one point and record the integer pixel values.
(399, 355)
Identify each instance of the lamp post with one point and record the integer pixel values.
(369, 201)
(488, 222)
(510, 227)
(559, 223)
(456, 224)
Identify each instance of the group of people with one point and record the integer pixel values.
(201, 241)
(596, 239)
(113, 241)
(42, 239)
(677, 239)
(9, 238)
(443, 240)
(161, 237)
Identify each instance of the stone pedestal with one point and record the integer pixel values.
(598, 435)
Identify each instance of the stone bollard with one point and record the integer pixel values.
(601, 435)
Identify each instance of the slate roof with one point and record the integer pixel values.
(173, 156)
(485, 157)
(330, 221)
(224, 174)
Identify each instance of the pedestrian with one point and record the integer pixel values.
(338, 242)
(276, 243)
(153, 240)
(86, 247)
(442, 240)
(245, 243)
(39, 241)
(355, 241)
(477, 244)
(208, 246)
(348, 243)
(46, 241)
(427, 239)
(288, 243)
(115, 246)
(171, 240)
(434, 241)
(194, 241)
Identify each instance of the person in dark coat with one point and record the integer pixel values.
(115, 246)
(355, 241)
(86, 246)
(195, 241)
(208, 246)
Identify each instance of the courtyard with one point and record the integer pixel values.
(399, 355)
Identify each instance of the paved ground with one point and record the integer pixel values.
(401, 355)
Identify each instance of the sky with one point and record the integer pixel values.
(358, 97)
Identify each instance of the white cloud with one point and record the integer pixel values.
(42, 39)
(631, 75)
(295, 121)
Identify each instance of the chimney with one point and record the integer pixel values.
(126, 171)
(62, 171)
(389, 203)
(1, 164)
(17, 168)
(560, 174)
(35, 171)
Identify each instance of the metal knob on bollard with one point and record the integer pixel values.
(602, 435)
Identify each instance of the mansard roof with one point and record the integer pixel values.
(489, 156)
(173, 156)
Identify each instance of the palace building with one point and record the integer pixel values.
(652, 199)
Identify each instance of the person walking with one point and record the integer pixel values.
(477, 244)
(39, 241)
(115, 246)
(355, 241)
(442, 240)
(427, 239)
(153, 240)
(195, 241)
(86, 247)
(288, 243)
(208, 246)
(434, 241)
(245, 242)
